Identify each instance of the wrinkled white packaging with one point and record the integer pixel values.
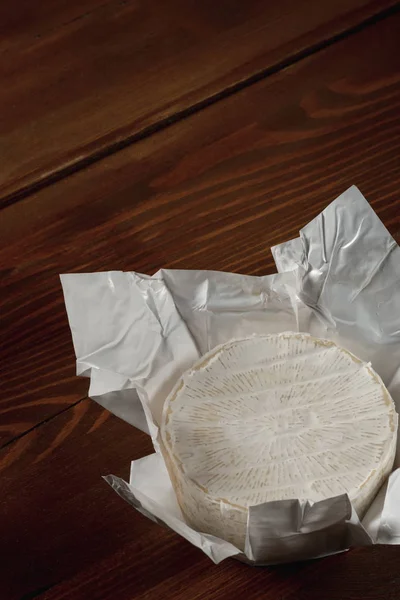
(134, 335)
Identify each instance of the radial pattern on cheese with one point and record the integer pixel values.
(272, 418)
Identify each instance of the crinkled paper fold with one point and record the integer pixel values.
(134, 335)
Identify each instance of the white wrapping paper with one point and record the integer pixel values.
(134, 335)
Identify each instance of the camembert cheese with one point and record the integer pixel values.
(275, 417)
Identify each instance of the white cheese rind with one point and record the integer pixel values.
(272, 418)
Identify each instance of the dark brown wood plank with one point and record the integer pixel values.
(57, 514)
(213, 191)
(79, 79)
(369, 574)
(23, 22)
(65, 534)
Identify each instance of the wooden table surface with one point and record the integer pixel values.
(177, 134)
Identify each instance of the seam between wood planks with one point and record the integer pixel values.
(112, 148)
(43, 422)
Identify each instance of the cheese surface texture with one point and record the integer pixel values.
(275, 417)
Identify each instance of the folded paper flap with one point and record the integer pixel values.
(347, 244)
(284, 518)
(218, 307)
(301, 529)
(216, 291)
(315, 544)
(389, 529)
(123, 489)
(349, 274)
(341, 235)
(289, 255)
(118, 394)
(103, 311)
(158, 502)
(128, 334)
(119, 321)
(352, 269)
(324, 513)
(149, 475)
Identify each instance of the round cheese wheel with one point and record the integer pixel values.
(275, 417)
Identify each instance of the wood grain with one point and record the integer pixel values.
(65, 534)
(214, 191)
(369, 574)
(80, 79)
(23, 22)
(57, 515)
